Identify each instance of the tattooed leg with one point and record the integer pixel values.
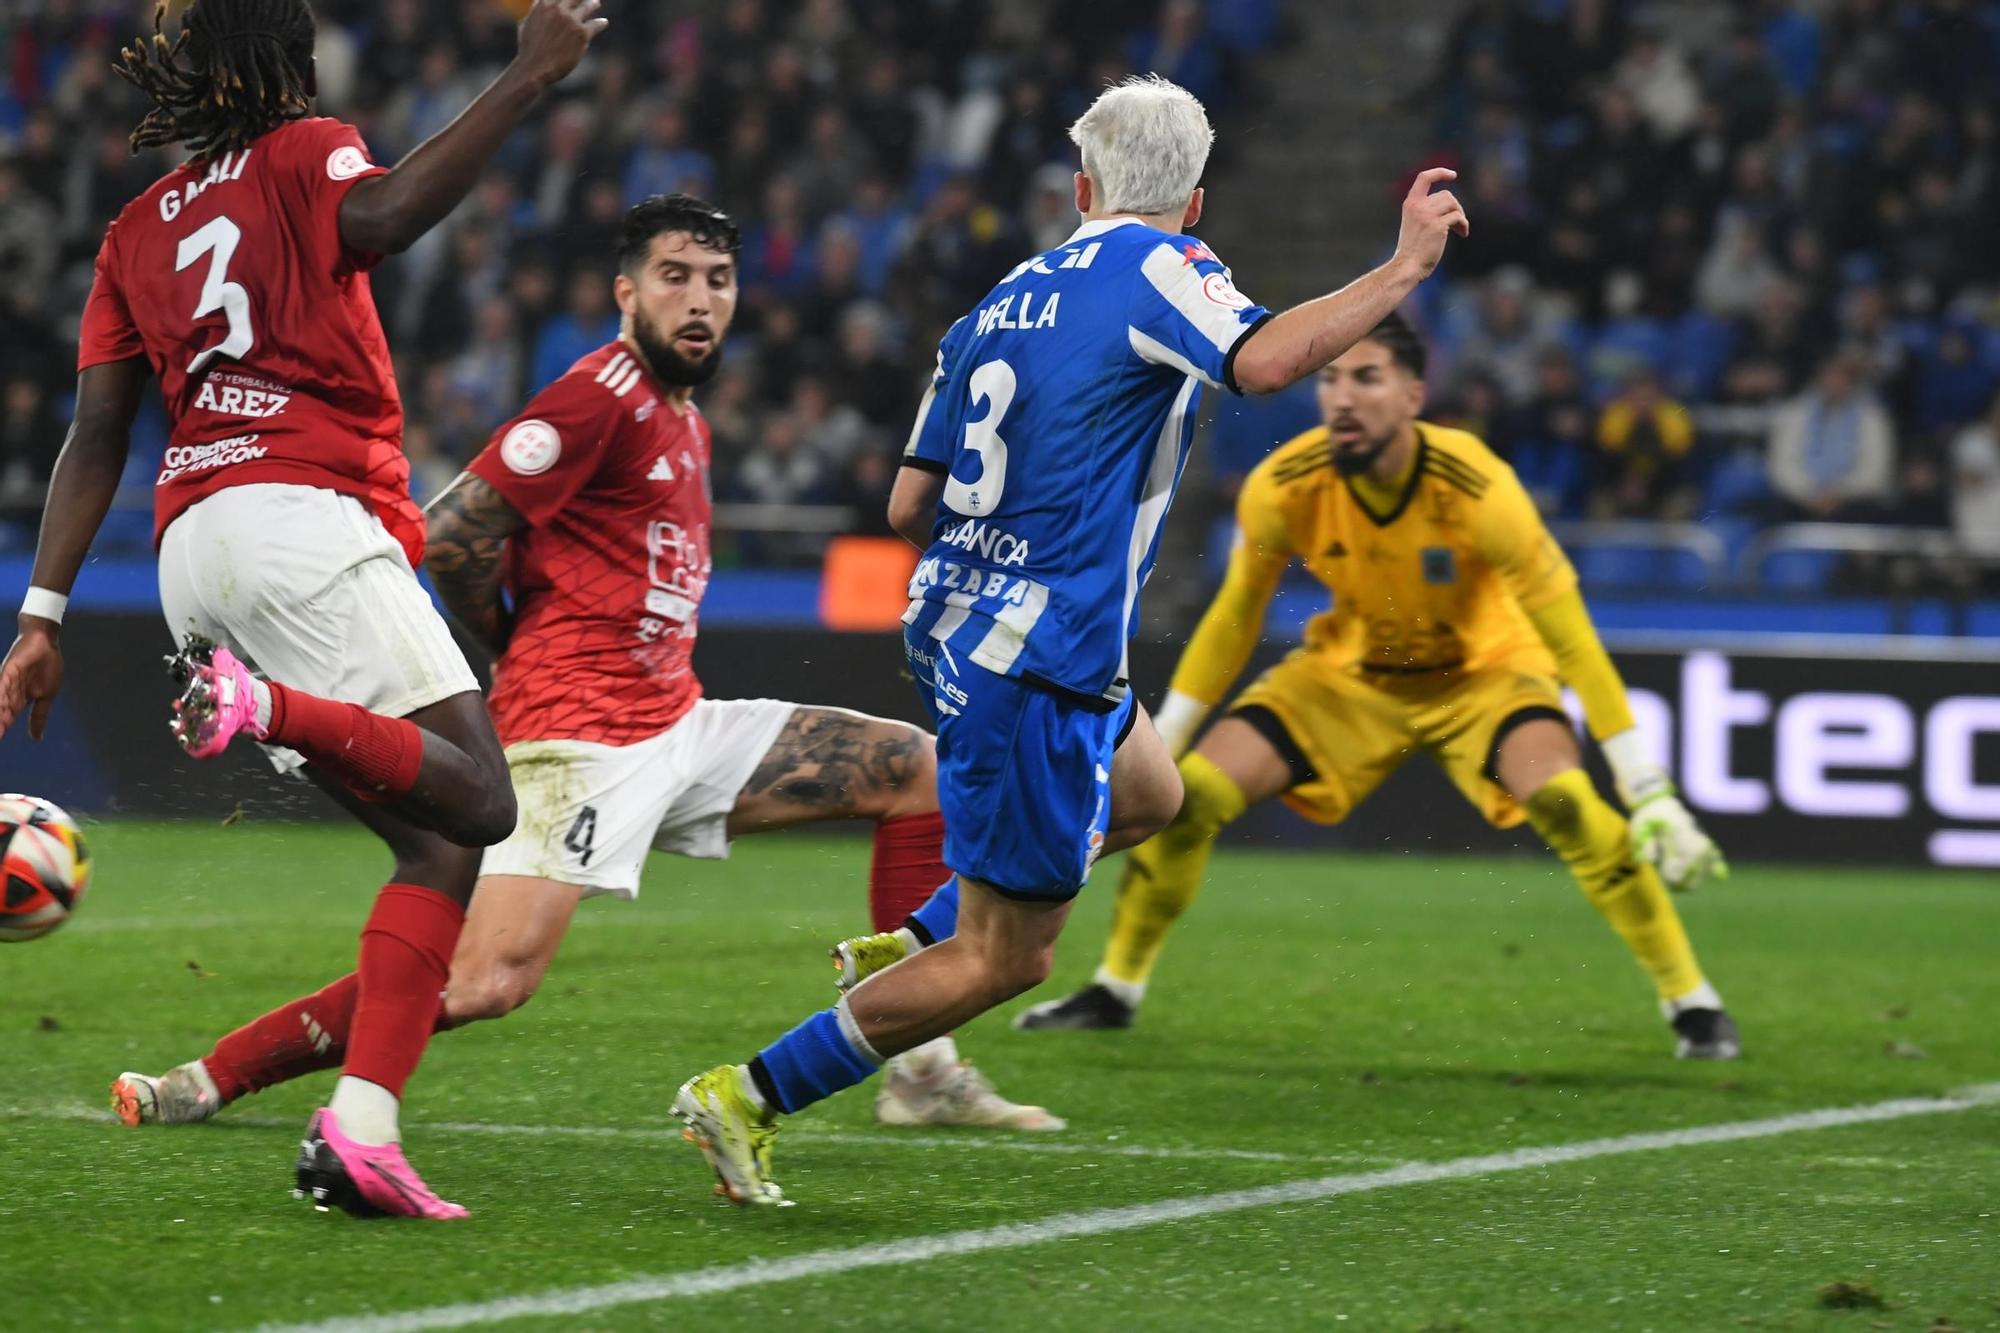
(829, 763)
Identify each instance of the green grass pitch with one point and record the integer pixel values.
(1315, 1015)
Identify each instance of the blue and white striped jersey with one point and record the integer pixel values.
(1060, 414)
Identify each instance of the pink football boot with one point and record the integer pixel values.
(218, 699)
(363, 1181)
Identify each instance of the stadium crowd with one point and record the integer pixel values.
(1727, 261)
(887, 159)
(1725, 264)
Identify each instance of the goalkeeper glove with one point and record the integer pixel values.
(1664, 833)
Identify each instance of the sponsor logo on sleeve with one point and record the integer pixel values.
(346, 162)
(530, 448)
(1218, 288)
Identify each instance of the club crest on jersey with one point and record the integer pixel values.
(1218, 288)
(346, 162)
(1439, 565)
(531, 448)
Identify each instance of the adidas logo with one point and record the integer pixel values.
(1336, 550)
(660, 472)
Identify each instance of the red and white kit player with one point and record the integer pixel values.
(591, 508)
(284, 523)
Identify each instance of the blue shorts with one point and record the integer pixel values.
(1023, 774)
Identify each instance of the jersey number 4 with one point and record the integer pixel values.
(218, 238)
(994, 383)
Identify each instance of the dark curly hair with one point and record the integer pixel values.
(705, 224)
(1406, 347)
(238, 69)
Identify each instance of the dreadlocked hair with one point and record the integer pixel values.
(236, 70)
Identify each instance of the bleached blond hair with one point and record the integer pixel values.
(1144, 143)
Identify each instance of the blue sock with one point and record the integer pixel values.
(937, 919)
(813, 1061)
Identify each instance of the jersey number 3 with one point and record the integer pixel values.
(994, 383)
(217, 238)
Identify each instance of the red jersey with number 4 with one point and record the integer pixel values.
(608, 577)
(229, 276)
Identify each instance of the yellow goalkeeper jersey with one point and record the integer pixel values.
(1452, 569)
(1438, 574)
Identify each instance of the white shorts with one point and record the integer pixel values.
(589, 812)
(309, 588)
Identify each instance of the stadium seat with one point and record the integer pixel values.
(1798, 571)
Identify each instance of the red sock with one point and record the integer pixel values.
(293, 1040)
(907, 867)
(377, 756)
(298, 1038)
(406, 952)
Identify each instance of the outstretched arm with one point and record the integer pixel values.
(467, 531)
(1295, 344)
(85, 480)
(388, 213)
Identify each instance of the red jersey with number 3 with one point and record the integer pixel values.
(229, 276)
(608, 578)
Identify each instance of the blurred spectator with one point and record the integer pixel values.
(29, 248)
(1505, 338)
(589, 320)
(829, 430)
(1547, 439)
(1646, 438)
(1655, 74)
(1952, 385)
(1975, 484)
(1179, 49)
(778, 468)
(1833, 448)
(1720, 195)
(888, 160)
(29, 436)
(664, 161)
(868, 373)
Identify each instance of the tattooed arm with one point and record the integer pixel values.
(468, 527)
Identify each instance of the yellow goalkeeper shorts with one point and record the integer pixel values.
(1355, 727)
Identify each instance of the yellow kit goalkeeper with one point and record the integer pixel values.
(1454, 616)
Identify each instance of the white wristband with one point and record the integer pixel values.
(1633, 768)
(1177, 721)
(45, 604)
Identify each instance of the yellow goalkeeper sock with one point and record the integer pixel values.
(1593, 841)
(1163, 875)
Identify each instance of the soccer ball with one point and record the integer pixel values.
(44, 867)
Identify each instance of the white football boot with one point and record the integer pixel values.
(183, 1095)
(952, 1092)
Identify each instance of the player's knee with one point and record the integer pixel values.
(1019, 973)
(487, 991)
(1149, 808)
(1558, 814)
(492, 817)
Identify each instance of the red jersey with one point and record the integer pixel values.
(608, 577)
(230, 277)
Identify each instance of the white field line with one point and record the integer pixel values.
(1099, 1221)
(1038, 1144)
